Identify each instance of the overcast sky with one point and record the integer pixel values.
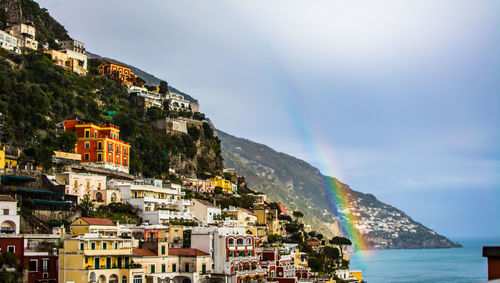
(400, 99)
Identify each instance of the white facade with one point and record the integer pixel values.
(205, 211)
(80, 184)
(9, 216)
(73, 45)
(9, 42)
(234, 253)
(158, 205)
(25, 34)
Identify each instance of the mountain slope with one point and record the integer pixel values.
(302, 187)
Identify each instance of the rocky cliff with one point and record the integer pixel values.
(302, 187)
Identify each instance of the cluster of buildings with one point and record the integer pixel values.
(18, 36)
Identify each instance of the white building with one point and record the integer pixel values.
(178, 102)
(205, 211)
(158, 204)
(80, 184)
(9, 42)
(9, 217)
(73, 45)
(234, 253)
(26, 35)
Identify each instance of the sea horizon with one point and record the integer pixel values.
(457, 265)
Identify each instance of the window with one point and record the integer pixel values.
(162, 250)
(125, 162)
(33, 265)
(82, 246)
(104, 246)
(174, 267)
(45, 275)
(96, 263)
(99, 157)
(116, 245)
(76, 184)
(186, 267)
(86, 156)
(137, 279)
(249, 241)
(239, 241)
(92, 246)
(87, 133)
(231, 242)
(153, 268)
(88, 185)
(108, 262)
(203, 269)
(99, 145)
(6, 211)
(87, 145)
(125, 151)
(45, 264)
(124, 279)
(163, 268)
(11, 249)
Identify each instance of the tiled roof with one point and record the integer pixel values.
(186, 252)
(143, 252)
(98, 221)
(6, 198)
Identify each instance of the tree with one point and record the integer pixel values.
(285, 217)
(67, 141)
(163, 87)
(86, 205)
(297, 214)
(340, 242)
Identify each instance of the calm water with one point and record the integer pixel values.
(426, 265)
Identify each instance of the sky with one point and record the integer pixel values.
(400, 99)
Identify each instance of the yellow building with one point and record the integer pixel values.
(96, 253)
(226, 185)
(101, 226)
(2, 157)
(358, 274)
(96, 258)
(69, 60)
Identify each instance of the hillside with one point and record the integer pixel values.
(302, 187)
(35, 95)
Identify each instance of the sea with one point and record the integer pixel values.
(456, 265)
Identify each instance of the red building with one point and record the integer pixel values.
(34, 266)
(100, 145)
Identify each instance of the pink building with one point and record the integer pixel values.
(201, 186)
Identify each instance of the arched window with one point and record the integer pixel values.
(231, 242)
(113, 197)
(239, 241)
(249, 242)
(92, 277)
(98, 197)
(124, 279)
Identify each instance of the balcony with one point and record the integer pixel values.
(110, 252)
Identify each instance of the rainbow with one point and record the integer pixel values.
(338, 199)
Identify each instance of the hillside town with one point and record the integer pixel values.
(86, 218)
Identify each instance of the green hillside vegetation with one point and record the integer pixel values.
(35, 95)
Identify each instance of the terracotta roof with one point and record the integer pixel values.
(186, 252)
(98, 221)
(6, 198)
(143, 252)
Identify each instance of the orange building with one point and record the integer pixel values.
(118, 72)
(100, 145)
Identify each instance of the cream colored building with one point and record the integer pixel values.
(26, 35)
(80, 184)
(205, 211)
(70, 60)
(9, 215)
